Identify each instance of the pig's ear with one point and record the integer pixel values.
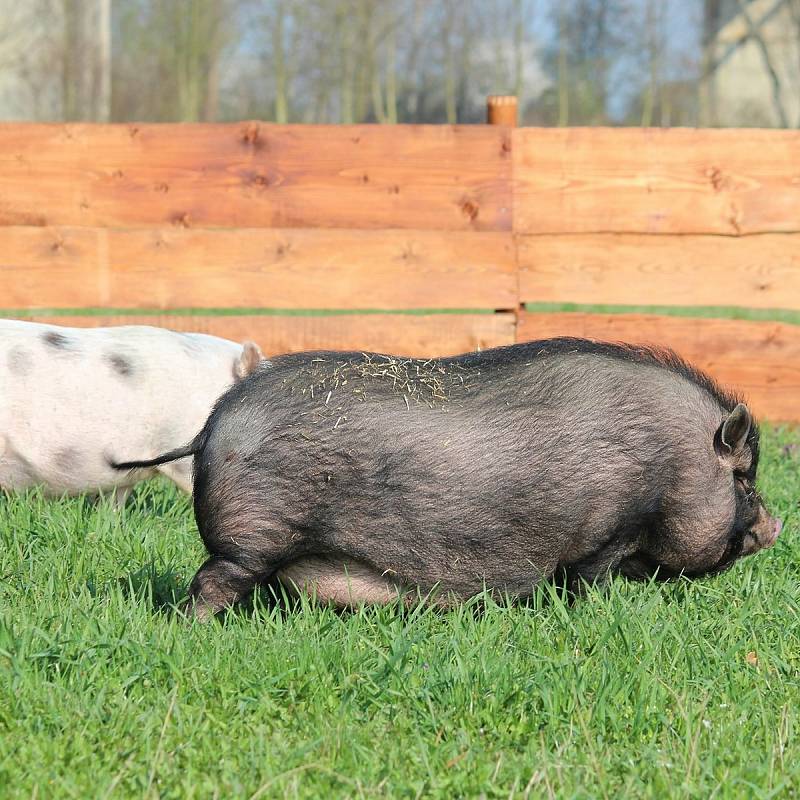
(248, 360)
(732, 434)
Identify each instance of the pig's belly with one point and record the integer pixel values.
(69, 471)
(344, 582)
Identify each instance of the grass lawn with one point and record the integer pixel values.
(724, 312)
(643, 690)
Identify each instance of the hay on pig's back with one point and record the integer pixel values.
(429, 382)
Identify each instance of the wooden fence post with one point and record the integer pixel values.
(501, 110)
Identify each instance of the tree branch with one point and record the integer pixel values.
(754, 34)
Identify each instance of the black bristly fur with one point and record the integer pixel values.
(493, 469)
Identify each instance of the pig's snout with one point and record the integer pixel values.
(764, 532)
(771, 531)
(777, 527)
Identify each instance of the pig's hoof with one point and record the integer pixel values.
(193, 609)
(120, 496)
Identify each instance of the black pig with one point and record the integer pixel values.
(365, 477)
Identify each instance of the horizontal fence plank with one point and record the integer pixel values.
(628, 269)
(635, 180)
(254, 174)
(760, 359)
(285, 268)
(399, 334)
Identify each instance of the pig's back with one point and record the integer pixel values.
(537, 386)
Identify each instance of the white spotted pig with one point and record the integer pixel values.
(73, 398)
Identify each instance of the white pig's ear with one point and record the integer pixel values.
(248, 360)
(732, 434)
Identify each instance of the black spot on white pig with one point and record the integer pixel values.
(71, 398)
(363, 477)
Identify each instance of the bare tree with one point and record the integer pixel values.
(346, 60)
(67, 61)
(794, 12)
(391, 74)
(754, 34)
(176, 45)
(449, 49)
(521, 9)
(563, 68)
(711, 22)
(654, 46)
(279, 62)
(587, 46)
(103, 112)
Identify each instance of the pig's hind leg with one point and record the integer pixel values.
(246, 541)
(218, 585)
(242, 556)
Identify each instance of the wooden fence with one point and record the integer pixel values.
(475, 220)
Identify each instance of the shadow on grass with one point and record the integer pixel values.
(159, 499)
(161, 588)
(272, 596)
(164, 590)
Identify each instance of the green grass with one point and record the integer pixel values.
(229, 312)
(724, 312)
(642, 690)
(719, 312)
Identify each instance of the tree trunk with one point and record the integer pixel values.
(281, 99)
(755, 34)
(104, 58)
(707, 95)
(377, 97)
(563, 77)
(451, 111)
(600, 68)
(391, 75)
(71, 77)
(519, 55)
(794, 10)
(363, 43)
(211, 100)
(653, 44)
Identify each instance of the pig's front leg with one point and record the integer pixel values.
(597, 567)
(120, 496)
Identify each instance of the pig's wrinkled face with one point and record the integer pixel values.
(753, 527)
(740, 524)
